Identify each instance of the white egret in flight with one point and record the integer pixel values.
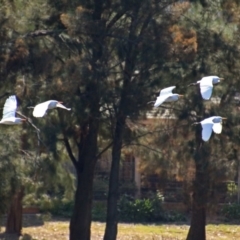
(41, 109)
(210, 124)
(9, 112)
(166, 95)
(206, 85)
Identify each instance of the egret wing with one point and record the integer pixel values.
(160, 100)
(206, 131)
(167, 90)
(217, 128)
(10, 107)
(40, 109)
(206, 88)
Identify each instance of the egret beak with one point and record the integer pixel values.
(60, 102)
(180, 95)
(224, 118)
(221, 79)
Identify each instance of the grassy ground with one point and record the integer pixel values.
(59, 230)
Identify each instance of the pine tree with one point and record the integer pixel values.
(18, 70)
(209, 59)
(143, 51)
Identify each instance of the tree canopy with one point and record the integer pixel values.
(106, 60)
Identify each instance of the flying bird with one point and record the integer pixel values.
(41, 109)
(166, 95)
(210, 124)
(206, 85)
(9, 112)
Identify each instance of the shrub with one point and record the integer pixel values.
(231, 212)
(130, 210)
(141, 210)
(64, 208)
(50, 205)
(99, 211)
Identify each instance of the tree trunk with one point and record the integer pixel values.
(113, 193)
(14, 217)
(199, 201)
(80, 223)
(238, 181)
(198, 222)
(200, 191)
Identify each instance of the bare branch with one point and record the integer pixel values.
(114, 20)
(29, 121)
(42, 32)
(69, 151)
(159, 131)
(104, 150)
(142, 145)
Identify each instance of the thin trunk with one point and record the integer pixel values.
(14, 217)
(238, 180)
(112, 218)
(112, 211)
(200, 192)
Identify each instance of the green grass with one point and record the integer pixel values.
(60, 230)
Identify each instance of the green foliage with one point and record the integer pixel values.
(99, 211)
(232, 191)
(231, 212)
(62, 208)
(11, 168)
(130, 210)
(55, 205)
(146, 210)
(139, 210)
(86, 62)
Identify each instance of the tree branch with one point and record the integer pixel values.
(141, 145)
(42, 32)
(145, 24)
(104, 149)
(158, 131)
(69, 151)
(114, 20)
(29, 120)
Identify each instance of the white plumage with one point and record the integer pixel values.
(9, 112)
(206, 85)
(166, 95)
(41, 109)
(211, 124)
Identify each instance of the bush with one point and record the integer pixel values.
(231, 212)
(130, 210)
(99, 211)
(50, 205)
(136, 211)
(146, 210)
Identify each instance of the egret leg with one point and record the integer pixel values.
(150, 102)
